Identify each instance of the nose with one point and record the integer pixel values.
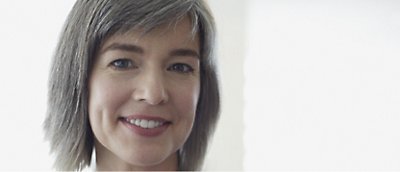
(150, 88)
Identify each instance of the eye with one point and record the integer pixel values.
(122, 64)
(181, 68)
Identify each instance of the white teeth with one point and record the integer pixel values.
(151, 124)
(137, 122)
(143, 123)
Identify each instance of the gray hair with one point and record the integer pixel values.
(88, 25)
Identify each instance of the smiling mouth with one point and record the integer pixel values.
(145, 123)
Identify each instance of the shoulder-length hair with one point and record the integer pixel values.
(88, 25)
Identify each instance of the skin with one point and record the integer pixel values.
(159, 77)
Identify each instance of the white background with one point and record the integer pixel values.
(322, 88)
(306, 84)
(28, 36)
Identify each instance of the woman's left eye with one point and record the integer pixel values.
(181, 68)
(122, 64)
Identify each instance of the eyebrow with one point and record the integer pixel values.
(124, 47)
(185, 52)
(139, 50)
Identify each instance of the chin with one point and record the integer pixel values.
(149, 158)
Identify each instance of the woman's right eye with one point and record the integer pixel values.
(122, 64)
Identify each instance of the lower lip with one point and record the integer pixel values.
(146, 132)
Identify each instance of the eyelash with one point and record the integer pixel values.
(128, 64)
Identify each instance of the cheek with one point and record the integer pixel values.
(186, 99)
(104, 98)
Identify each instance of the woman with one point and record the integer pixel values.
(134, 81)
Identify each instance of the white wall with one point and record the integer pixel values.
(322, 88)
(28, 34)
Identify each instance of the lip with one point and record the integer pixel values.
(145, 132)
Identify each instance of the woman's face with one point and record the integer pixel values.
(143, 95)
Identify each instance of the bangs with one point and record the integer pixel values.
(123, 16)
